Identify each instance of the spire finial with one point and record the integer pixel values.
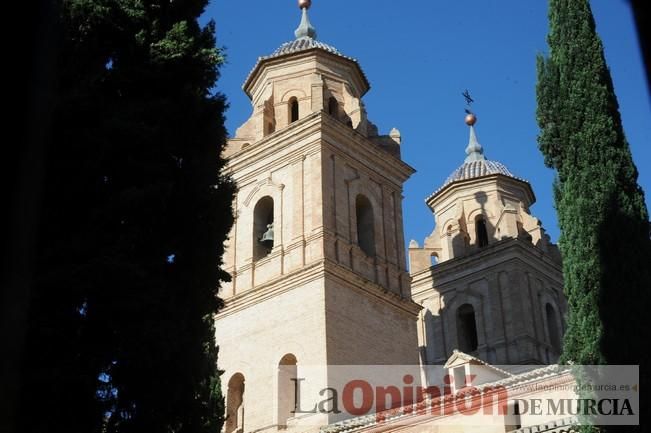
(305, 29)
(474, 150)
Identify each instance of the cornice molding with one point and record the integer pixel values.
(351, 279)
(276, 287)
(279, 141)
(253, 81)
(497, 254)
(364, 151)
(454, 188)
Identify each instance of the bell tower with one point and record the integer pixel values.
(488, 277)
(316, 254)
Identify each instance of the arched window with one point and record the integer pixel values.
(552, 328)
(235, 405)
(467, 328)
(435, 259)
(480, 231)
(293, 110)
(365, 225)
(263, 227)
(288, 387)
(333, 107)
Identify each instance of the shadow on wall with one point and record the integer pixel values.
(440, 341)
(335, 109)
(434, 349)
(484, 231)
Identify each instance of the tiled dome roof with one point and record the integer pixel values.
(299, 45)
(302, 44)
(476, 165)
(472, 169)
(305, 41)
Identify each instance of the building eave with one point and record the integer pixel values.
(465, 182)
(458, 265)
(262, 62)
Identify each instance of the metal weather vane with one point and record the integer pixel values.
(469, 101)
(471, 119)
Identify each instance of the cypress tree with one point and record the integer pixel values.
(602, 214)
(134, 216)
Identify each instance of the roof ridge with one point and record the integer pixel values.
(469, 357)
(515, 379)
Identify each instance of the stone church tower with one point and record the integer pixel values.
(488, 278)
(317, 254)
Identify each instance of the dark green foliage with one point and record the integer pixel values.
(134, 217)
(601, 209)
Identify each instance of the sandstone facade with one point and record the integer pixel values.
(332, 288)
(317, 256)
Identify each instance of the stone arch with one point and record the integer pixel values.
(234, 422)
(363, 186)
(466, 323)
(263, 227)
(548, 294)
(481, 231)
(293, 93)
(293, 110)
(287, 391)
(446, 226)
(333, 107)
(365, 225)
(553, 327)
(265, 187)
(482, 317)
(334, 104)
(472, 215)
(246, 214)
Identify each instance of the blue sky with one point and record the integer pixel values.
(419, 58)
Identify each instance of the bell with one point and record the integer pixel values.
(267, 238)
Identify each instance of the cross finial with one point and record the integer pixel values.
(469, 99)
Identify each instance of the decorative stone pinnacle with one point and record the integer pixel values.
(395, 135)
(305, 29)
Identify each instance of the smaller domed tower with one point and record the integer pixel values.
(488, 277)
